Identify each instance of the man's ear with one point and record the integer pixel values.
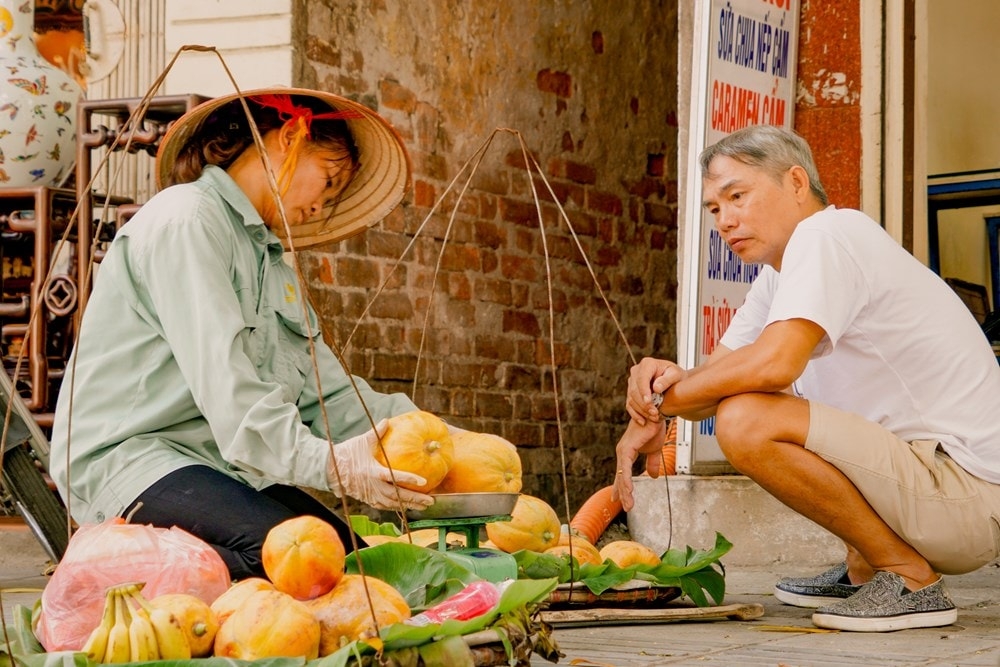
(800, 183)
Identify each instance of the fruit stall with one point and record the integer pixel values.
(467, 581)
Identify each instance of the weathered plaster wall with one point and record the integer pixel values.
(591, 88)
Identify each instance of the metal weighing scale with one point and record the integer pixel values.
(489, 564)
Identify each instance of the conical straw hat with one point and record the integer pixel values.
(382, 179)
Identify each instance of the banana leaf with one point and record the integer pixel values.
(364, 527)
(423, 576)
(695, 572)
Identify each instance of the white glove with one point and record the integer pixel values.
(454, 430)
(364, 478)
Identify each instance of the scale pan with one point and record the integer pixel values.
(464, 505)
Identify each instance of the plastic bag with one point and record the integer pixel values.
(114, 552)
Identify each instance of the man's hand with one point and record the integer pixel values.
(647, 377)
(638, 439)
(364, 478)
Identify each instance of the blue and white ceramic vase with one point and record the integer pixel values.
(37, 106)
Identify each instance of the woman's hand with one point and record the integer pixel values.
(647, 438)
(650, 376)
(364, 478)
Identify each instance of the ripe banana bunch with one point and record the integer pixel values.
(131, 630)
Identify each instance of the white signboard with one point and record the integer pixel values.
(747, 50)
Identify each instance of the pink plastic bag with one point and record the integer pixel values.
(114, 552)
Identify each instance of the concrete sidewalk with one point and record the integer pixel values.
(784, 636)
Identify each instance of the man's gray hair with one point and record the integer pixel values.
(768, 147)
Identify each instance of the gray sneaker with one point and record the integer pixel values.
(885, 604)
(826, 588)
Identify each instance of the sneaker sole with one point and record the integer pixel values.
(807, 601)
(927, 619)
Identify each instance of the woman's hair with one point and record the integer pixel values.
(225, 134)
(771, 148)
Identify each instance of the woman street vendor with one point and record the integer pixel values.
(200, 393)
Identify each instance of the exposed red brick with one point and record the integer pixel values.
(430, 165)
(604, 202)
(494, 347)
(424, 194)
(519, 321)
(392, 306)
(356, 271)
(518, 212)
(580, 173)
(656, 165)
(559, 83)
(393, 367)
(543, 352)
(381, 244)
(516, 159)
(489, 234)
(583, 224)
(543, 408)
(498, 406)
(515, 377)
(434, 399)
(567, 142)
(597, 42)
(396, 96)
(427, 123)
(492, 290)
(325, 271)
(658, 214)
(540, 298)
(459, 287)
(514, 267)
(461, 258)
(608, 256)
(495, 182)
(322, 51)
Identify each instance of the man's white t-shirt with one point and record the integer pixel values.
(901, 349)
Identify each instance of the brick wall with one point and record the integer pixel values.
(592, 93)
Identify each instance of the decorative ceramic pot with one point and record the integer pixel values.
(37, 106)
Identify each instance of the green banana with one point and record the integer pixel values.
(118, 637)
(97, 642)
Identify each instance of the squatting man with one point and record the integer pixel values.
(853, 385)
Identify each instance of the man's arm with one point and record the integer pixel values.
(769, 364)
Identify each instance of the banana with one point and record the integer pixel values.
(118, 637)
(141, 635)
(97, 642)
(171, 640)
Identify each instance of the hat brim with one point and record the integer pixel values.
(381, 182)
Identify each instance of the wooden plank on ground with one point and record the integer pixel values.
(606, 616)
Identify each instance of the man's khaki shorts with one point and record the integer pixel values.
(947, 514)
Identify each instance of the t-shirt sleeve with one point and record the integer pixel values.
(751, 317)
